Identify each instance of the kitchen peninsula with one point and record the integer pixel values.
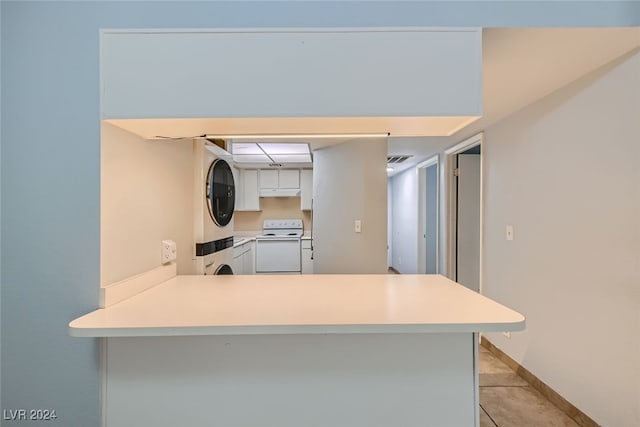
(279, 350)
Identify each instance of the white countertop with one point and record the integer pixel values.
(299, 304)
(238, 241)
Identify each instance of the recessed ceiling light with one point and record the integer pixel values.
(271, 152)
(300, 136)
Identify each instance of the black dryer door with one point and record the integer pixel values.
(221, 192)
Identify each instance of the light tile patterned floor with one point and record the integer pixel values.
(506, 400)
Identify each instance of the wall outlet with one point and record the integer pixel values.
(169, 251)
(358, 226)
(507, 334)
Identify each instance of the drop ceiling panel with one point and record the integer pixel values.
(291, 158)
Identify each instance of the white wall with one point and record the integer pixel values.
(440, 73)
(404, 189)
(312, 380)
(146, 197)
(350, 183)
(564, 172)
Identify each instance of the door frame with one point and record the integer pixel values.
(451, 203)
(422, 214)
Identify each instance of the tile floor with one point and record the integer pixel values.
(506, 400)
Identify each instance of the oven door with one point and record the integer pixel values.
(278, 255)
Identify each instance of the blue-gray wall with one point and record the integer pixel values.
(50, 159)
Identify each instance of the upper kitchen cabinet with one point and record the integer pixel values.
(247, 191)
(306, 189)
(279, 182)
(187, 83)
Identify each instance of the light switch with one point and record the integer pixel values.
(509, 232)
(358, 226)
(169, 251)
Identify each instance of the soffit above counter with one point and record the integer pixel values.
(155, 128)
(402, 82)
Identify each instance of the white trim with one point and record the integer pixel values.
(476, 377)
(466, 144)
(450, 203)
(421, 169)
(103, 353)
(430, 161)
(290, 30)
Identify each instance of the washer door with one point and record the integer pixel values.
(224, 269)
(221, 192)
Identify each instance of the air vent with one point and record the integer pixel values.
(395, 159)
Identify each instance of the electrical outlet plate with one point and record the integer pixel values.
(169, 251)
(358, 226)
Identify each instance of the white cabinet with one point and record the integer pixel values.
(268, 178)
(237, 181)
(237, 266)
(243, 258)
(279, 178)
(289, 178)
(247, 190)
(249, 259)
(306, 189)
(306, 255)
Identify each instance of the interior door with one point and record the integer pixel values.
(468, 221)
(431, 226)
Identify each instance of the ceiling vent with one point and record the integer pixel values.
(395, 159)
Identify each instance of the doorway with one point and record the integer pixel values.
(464, 230)
(428, 214)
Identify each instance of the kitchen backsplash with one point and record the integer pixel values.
(272, 208)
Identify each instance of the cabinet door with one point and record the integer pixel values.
(306, 189)
(248, 261)
(307, 262)
(238, 268)
(289, 178)
(238, 181)
(268, 178)
(251, 192)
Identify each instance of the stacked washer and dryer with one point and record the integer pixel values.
(214, 202)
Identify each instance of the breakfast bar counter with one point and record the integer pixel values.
(299, 304)
(292, 350)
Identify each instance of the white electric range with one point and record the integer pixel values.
(278, 247)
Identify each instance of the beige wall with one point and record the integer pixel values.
(564, 172)
(272, 208)
(146, 197)
(350, 183)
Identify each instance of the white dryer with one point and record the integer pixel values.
(214, 202)
(219, 262)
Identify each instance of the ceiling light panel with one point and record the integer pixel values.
(246, 148)
(291, 158)
(251, 158)
(284, 148)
